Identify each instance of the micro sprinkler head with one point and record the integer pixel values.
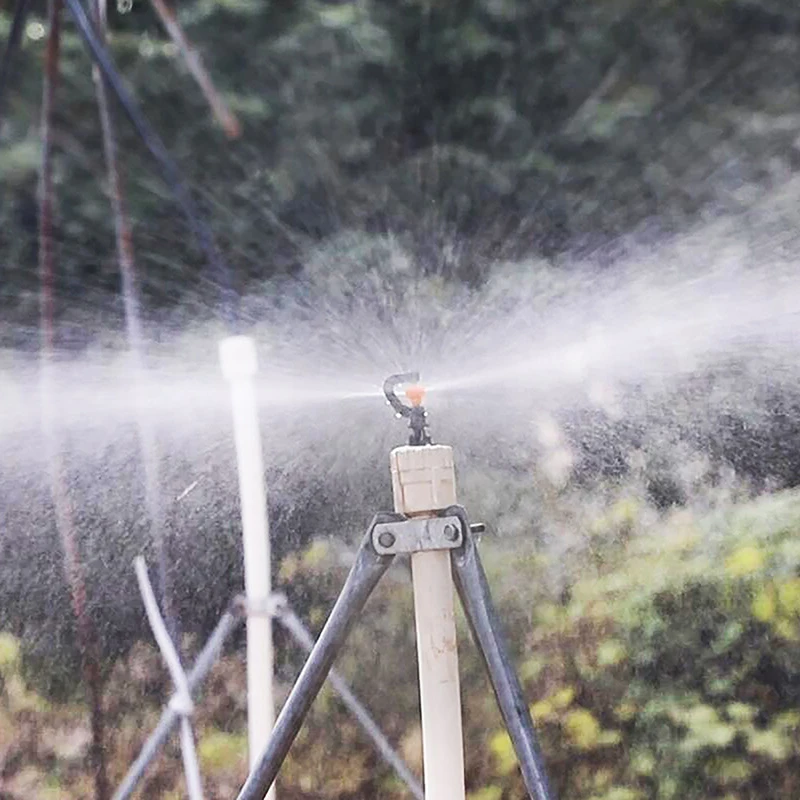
(417, 416)
(415, 394)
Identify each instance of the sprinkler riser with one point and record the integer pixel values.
(238, 358)
(239, 364)
(423, 483)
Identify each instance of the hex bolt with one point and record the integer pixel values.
(386, 539)
(450, 533)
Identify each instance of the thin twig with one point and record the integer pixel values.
(225, 117)
(588, 107)
(73, 566)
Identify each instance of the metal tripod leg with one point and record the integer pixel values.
(368, 569)
(473, 590)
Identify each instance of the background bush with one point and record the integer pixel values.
(666, 668)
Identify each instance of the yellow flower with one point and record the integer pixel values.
(582, 728)
(789, 596)
(503, 750)
(763, 606)
(744, 561)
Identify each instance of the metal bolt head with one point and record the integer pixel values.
(450, 533)
(477, 527)
(386, 539)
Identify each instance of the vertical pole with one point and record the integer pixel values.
(239, 366)
(423, 480)
(74, 568)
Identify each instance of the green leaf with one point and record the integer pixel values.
(9, 653)
(772, 743)
(729, 770)
(744, 561)
(221, 751)
(740, 712)
(486, 793)
(610, 653)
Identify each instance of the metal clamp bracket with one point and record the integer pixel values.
(416, 535)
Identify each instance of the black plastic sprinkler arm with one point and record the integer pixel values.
(390, 388)
(158, 150)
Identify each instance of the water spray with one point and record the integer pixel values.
(428, 525)
(91, 28)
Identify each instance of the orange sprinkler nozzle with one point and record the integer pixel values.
(415, 394)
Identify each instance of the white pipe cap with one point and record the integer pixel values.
(423, 478)
(237, 356)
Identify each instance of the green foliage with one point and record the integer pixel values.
(9, 653)
(218, 750)
(435, 121)
(662, 677)
(708, 659)
(400, 141)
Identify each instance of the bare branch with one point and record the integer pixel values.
(219, 108)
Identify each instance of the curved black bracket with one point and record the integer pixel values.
(389, 389)
(417, 415)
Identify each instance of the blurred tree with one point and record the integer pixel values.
(504, 126)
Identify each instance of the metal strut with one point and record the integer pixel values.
(292, 623)
(473, 590)
(170, 718)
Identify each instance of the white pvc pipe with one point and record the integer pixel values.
(239, 366)
(439, 688)
(423, 481)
